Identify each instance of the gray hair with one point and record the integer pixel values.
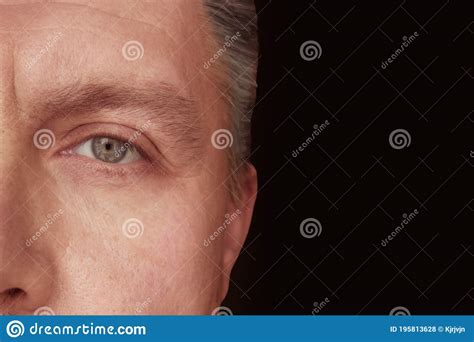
(234, 24)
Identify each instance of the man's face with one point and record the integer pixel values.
(109, 181)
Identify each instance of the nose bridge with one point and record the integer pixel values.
(26, 269)
(11, 146)
(10, 118)
(10, 149)
(7, 76)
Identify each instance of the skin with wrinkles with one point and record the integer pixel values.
(62, 68)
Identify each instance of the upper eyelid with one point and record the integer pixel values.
(77, 135)
(177, 129)
(161, 103)
(178, 153)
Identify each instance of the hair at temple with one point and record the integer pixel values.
(230, 18)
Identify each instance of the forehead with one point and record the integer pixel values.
(55, 44)
(145, 11)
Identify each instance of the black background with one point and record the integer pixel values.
(350, 178)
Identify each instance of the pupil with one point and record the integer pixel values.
(108, 149)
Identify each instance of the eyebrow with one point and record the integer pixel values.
(176, 115)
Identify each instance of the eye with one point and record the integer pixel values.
(108, 150)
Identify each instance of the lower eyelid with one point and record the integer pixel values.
(78, 165)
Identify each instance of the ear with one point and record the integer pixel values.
(236, 232)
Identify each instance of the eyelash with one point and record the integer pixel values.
(151, 156)
(82, 140)
(109, 150)
(115, 137)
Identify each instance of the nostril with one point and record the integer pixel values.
(14, 293)
(11, 295)
(9, 298)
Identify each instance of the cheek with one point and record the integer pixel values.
(144, 243)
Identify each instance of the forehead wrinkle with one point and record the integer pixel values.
(146, 14)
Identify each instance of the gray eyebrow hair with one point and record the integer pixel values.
(161, 103)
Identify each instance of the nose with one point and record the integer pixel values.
(27, 268)
(27, 255)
